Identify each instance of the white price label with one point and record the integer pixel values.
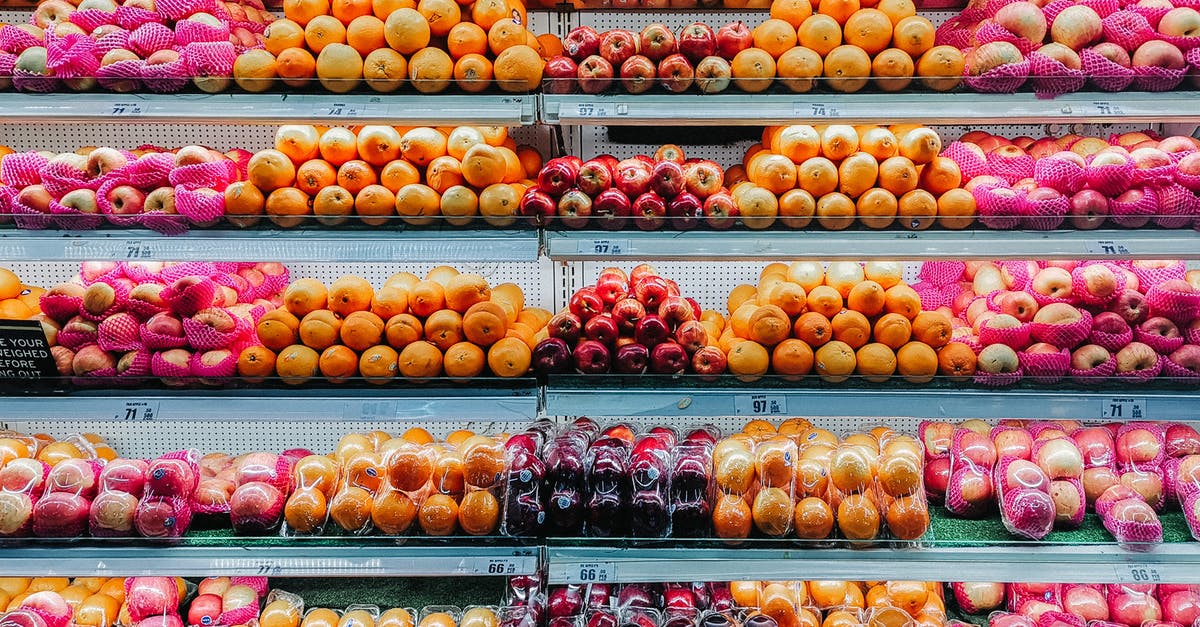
(372, 107)
(496, 566)
(125, 109)
(1105, 107)
(137, 411)
(1107, 247)
(1123, 409)
(590, 110)
(135, 249)
(597, 572)
(603, 247)
(815, 110)
(759, 404)
(1137, 573)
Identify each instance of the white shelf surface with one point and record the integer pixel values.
(358, 559)
(860, 245)
(572, 399)
(929, 107)
(413, 403)
(1168, 563)
(285, 246)
(233, 108)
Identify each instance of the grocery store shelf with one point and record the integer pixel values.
(237, 108)
(933, 108)
(518, 403)
(1175, 563)
(282, 246)
(697, 398)
(360, 558)
(860, 245)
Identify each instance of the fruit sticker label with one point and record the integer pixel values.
(24, 352)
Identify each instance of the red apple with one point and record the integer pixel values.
(696, 41)
(618, 45)
(657, 42)
(595, 74)
(638, 74)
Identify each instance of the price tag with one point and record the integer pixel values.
(603, 247)
(815, 110)
(597, 572)
(1137, 573)
(589, 110)
(1104, 107)
(137, 411)
(125, 109)
(759, 404)
(1123, 409)
(496, 566)
(1106, 247)
(136, 249)
(372, 107)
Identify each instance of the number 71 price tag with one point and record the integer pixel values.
(1123, 409)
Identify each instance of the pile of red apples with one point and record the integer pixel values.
(1062, 45)
(1103, 605)
(1131, 180)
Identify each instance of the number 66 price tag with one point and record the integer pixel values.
(597, 572)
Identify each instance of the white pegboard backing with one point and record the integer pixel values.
(675, 19)
(252, 137)
(69, 137)
(706, 281)
(142, 440)
(15, 16)
(534, 277)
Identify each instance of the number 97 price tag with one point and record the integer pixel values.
(759, 405)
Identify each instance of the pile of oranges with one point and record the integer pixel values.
(17, 300)
(841, 321)
(374, 174)
(94, 601)
(44, 448)
(396, 485)
(845, 44)
(844, 603)
(447, 323)
(394, 617)
(430, 44)
(842, 175)
(801, 480)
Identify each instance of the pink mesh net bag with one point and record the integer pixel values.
(1095, 375)
(1149, 275)
(165, 223)
(24, 80)
(202, 206)
(166, 78)
(60, 177)
(60, 307)
(111, 213)
(998, 207)
(1011, 169)
(1127, 29)
(134, 364)
(1150, 78)
(1171, 301)
(1111, 342)
(1080, 288)
(1193, 58)
(954, 32)
(1177, 207)
(22, 169)
(990, 31)
(72, 56)
(1051, 78)
(941, 273)
(115, 40)
(215, 174)
(15, 40)
(1153, 15)
(970, 163)
(1185, 44)
(1015, 338)
(174, 271)
(1104, 74)
(258, 584)
(150, 38)
(130, 18)
(120, 296)
(122, 76)
(1188, 181)
(204, 337)
(119, 333)
(1060, 174)
(1141, 375)
(151, 170)
(210, 59)
(91, 19)
(1063, 335)
(1045, 368)
(1044, 214)
(158, 341)
(189, 32)
(1179, 372)
(997, 379)
(1052, 9)
(1055, 618)
(186, 296)
(218, 364)
(163, 517)
(178, 9)
(1134, 214)
(1019, 271)
(930, 296)
(1103, 8)
(1005, 79)
(78, 335)
(1109, 179)
(28, 217)
(1133, 524)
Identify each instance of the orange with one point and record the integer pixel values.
(869, 29)
(269, 170)
(378, 145)
(410, 467)
(813, 518)
(820, 33)
(383, 8)
(277, 329)
(551, 44)
(465, 290)
(892, 330)
(479, 514)
(396, 174)
(798, 68)
(813, 328)
(898, 175)
(303, 11)
(338, 364)
(338, 145)
(295, 66)
(956, 361)
(422, 145)
(378, 364)
(956, 209)
(306, 510)
(748, 360)
(420, 360)
(839, 141)
(444, 328)
(921, 145)
(876, 362)
(464, 360)
(731, 517)
(430, 70)
(509, 357)
(892, 69)
(406, 30)
(940, 176)
(840, 10)
(847, 68)
(486, 13)
(753, 70)
(283, 34)
(320, 617)
(332, 204)
(793, 12)
(867, 298)
(775, 36)
(796, 208)
(473, 72)
(914, 35)
(857, 173)
(858, 518)
(442, 15)
(322, 31)
(364, 470)
(319, 329)
(817, 176)
(316, 472)
(917, 210)
(772, 171)
(351, 508)
(498, 202)
(347, 11)
(908, 517)
(365, 34)
(518, 68)
(835, 361)
(296, 364)
(385, 70)
(389, 301)
(403, 330)
(941, 68)
(362, 330)
(395, 617)
(876, 208)
(828, 594)
(393, 512)
(798, 142)
(897, 10)
(769, 325)
(504, 34)
(835, 211)
(315, 175)
(792, 358)
(438, 516)
(375, 203)
(356, 174)
(903, 300)
(485, 323)
(917, 362)
(825, 301)
(772, 511)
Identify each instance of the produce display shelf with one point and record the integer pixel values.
(865, 245)
(241, 108)
(299, 558)
(601, 395)
(931, 108)
(515, 402)
(446, 245)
